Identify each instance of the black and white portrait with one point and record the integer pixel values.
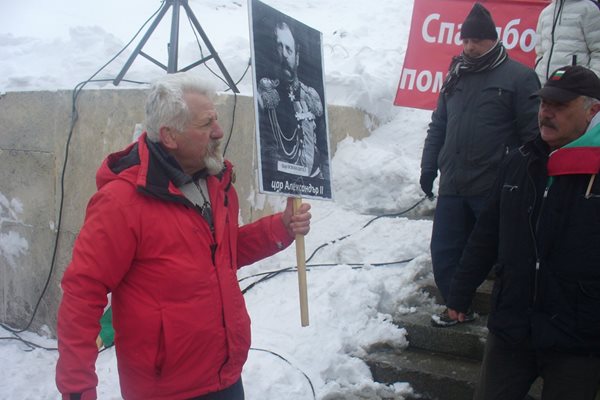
(290, 108)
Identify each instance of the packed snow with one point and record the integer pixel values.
(352, 296)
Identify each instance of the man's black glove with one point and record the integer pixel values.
(426, 182)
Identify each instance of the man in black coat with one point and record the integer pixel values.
(483, 110)
(540, 231)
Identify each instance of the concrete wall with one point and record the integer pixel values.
(34, 130)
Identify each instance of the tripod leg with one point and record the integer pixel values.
(139, 47)
(212, 50)
(174, 43)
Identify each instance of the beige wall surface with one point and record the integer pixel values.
(34, 143)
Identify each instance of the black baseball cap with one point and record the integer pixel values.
(568, 83)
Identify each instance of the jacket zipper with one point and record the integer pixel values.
(537, 255)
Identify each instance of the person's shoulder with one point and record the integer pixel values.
(122, 191)
(546, 15)
(308, 89)
(517, 65)
(548, 8)
(581, 9)
(590, 5)
(312, 99)
(518, 69)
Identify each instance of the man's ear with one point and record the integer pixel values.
(167, 137)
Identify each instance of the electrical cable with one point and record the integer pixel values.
(398, 214)
(232, 124)
(74, 118)
(268, 275)
(32, 346)
(281, 357)
(271, 274)
(234, 108)
(224, 81)
(202, 53)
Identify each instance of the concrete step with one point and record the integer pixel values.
(465, 340)
(440, 363)
(432, 376)
(481, 300)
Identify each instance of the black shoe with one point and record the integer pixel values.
(443, 320)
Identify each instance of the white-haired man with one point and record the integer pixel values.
(161, 234)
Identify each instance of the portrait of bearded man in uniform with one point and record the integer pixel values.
(291, 111)
(291, 117)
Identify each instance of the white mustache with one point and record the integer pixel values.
(214, 147)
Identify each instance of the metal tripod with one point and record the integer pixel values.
(174, 44)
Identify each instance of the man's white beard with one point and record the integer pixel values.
(213, 160)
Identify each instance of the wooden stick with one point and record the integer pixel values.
(301, 262)
(589, 188)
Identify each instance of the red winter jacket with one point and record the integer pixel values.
(181, 325)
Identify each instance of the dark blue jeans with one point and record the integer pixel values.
(453, 222)
(233, 392)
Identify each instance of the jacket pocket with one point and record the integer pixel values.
(495, 101)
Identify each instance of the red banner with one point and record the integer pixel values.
(435, 38)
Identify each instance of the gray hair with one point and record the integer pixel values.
(165, 105)
(588, 102)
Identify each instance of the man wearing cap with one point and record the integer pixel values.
(540, 231)
(483, 111)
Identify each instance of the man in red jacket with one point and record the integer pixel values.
(161, 234)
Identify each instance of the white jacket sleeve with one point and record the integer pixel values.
(591, 32)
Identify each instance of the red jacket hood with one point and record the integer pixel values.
(136, 165)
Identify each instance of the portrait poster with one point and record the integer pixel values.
(290, 107)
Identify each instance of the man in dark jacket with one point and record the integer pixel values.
(161, 234)
(540, 230)
(483, 110)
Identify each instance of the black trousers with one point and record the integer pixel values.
(233, 392)
(508, 372)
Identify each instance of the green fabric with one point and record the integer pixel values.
(107, 333)
(589, 139)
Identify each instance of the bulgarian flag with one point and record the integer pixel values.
(581, 156)
(557, 75)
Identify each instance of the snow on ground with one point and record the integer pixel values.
(55, 45)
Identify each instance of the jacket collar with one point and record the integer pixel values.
(153, 171)
(537, 147)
